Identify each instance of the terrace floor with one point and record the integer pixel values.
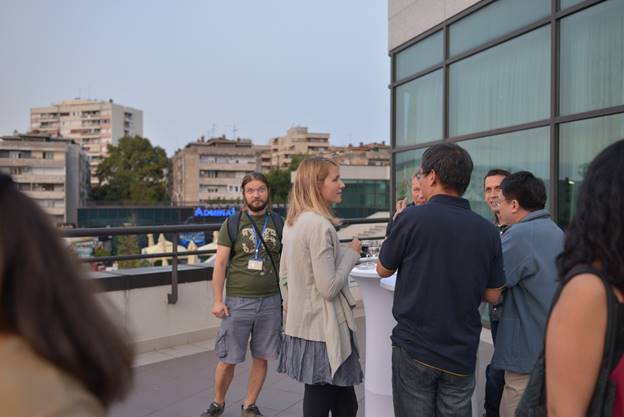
(182, 386)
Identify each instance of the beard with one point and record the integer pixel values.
(256, 204)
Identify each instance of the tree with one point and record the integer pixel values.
(134, 171)
(279, 179)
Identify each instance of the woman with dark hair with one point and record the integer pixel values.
(60, 354)
(594, 248)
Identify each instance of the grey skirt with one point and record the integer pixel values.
(307, 362)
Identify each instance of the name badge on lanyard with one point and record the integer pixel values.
(255, 263)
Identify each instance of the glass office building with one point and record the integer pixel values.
(532, 85)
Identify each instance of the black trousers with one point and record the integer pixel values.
(319, 400)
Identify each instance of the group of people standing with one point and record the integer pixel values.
(556, 315)
(448, 260)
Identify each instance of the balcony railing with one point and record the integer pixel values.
(174, 231)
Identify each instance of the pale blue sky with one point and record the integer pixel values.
(262, 65)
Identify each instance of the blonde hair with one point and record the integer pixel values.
(305, 194)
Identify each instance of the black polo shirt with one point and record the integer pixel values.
(446, 256)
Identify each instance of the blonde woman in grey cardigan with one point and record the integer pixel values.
(319, 348)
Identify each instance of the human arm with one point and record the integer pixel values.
(330, 278)
(496, 281)
(392, 249)
(518, 258)
(283, 280)
(382, 271)
(574, 346)
(219, 309)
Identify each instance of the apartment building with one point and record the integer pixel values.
(369, 154)
(91, 123)
(298, 140)
(211, 170)
(53, 171)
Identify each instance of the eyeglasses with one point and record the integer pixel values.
(260, 190)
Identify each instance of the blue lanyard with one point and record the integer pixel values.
(258, 241)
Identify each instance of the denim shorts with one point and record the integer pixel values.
(257, 318)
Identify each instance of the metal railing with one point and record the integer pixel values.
(175, 230)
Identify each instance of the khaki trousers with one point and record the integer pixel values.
(515, 385)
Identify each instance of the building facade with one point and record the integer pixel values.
(297, 141)
(91, 123)
(53, 171)
(369, 154)
(211, 170)
(532, 85)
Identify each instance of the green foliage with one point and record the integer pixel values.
(295, 160)
(129, 245)
(134, 171)
(279, 180)
(101, 251)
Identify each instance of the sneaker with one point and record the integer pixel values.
(251, 411)
(214, 410)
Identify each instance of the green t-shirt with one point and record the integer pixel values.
(244, 282)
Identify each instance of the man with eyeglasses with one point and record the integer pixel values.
(448, 259)
(251, 313)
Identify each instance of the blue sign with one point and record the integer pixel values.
(205, 212)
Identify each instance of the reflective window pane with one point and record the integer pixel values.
(501, 86)
(564, 4)
(592, 58)
(527, 150)
(424, 54)
(419, 110)
(406, 165)
(494, 20)
(579, 143)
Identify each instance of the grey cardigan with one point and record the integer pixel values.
(314, 279)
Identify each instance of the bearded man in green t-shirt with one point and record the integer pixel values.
(251, 312)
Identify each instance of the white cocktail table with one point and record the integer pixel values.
(379, 325)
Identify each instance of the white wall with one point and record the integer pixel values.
(155, 324)
(409, 18)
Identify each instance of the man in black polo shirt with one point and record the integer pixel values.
(448, 259)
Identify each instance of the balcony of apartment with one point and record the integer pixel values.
(242, 166)
(40, 194)
(38, 178)
(166, 310)
(28, 162)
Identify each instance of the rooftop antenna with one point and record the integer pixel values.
(213, 130)
(234, 130)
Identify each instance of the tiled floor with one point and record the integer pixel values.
(183, 387)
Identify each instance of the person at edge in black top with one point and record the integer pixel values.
(575, 334)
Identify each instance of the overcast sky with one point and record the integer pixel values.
(195, 66)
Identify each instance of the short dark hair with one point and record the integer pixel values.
(496, 171)
(452, 164)
(526, 188)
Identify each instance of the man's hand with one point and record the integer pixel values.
(382, 271)
(400, 206)
(220, 310)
